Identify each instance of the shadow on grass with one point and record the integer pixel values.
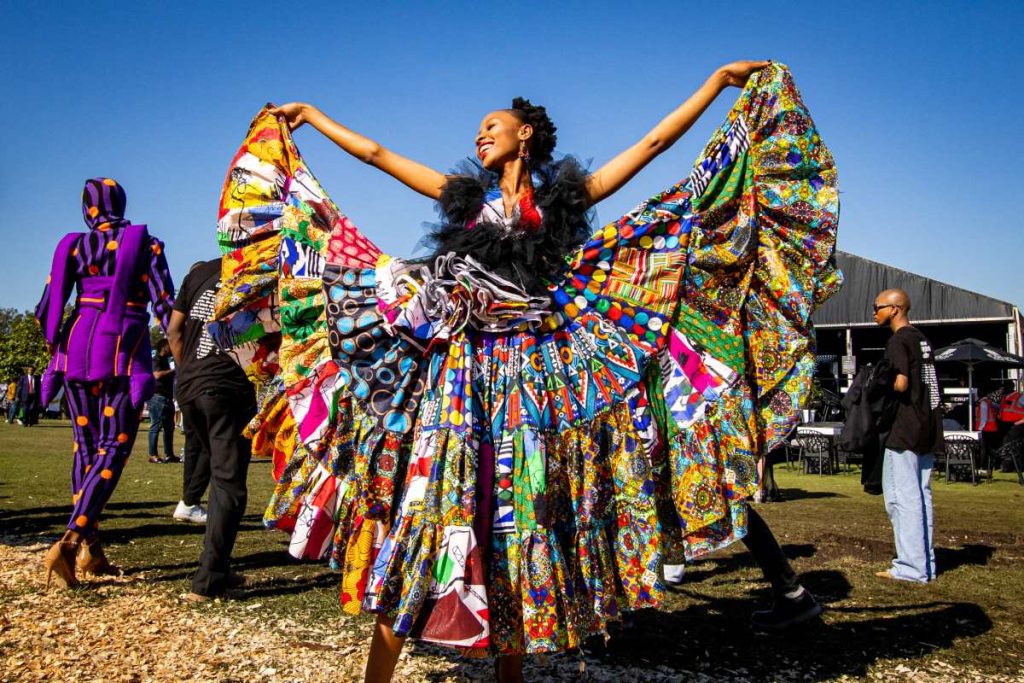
(727, 564)
(282, 586)
(33, 521)
(22, 528)
(263, 588)
(123, 535)
(268, 559)
(713, 636)
(112, 535)
(65, 509)
(803, 494)
(948, 559)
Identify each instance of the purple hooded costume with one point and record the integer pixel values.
(118, 269)
(102, 351)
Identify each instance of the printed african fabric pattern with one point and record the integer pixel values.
(501, 471)
(757, 220)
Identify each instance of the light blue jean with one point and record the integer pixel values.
(907, 489)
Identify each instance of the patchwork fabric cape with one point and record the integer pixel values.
(494, 478)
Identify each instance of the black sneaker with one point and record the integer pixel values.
(787, 612)
(237, 580)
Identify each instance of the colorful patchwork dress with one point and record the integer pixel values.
(504, 469)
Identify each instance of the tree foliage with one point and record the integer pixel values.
(21, 343)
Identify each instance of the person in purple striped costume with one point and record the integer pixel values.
(102, 355)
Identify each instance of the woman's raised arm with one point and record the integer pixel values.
(423, 179)
(609, 178)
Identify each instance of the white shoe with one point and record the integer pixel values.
(673, 573)
(190, 513)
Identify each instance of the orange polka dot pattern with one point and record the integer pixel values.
(103, 419)
(104, 424)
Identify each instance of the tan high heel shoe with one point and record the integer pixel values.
(60, 560)
(92, 560)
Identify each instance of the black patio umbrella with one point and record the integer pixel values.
(971, 352)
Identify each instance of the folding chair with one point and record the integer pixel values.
(1014, 451)
(961, 452)
(847, 459)
(815, 451)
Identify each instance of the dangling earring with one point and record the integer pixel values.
(524, 153)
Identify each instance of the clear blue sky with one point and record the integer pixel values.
(919, 102)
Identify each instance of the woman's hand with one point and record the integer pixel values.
(294, 113)
(737, 73)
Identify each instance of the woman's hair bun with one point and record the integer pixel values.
(542, 144)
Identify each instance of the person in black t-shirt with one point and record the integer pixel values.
(916, 436)
(217, 401)
(161, 405)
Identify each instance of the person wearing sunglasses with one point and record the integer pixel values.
(915, 437)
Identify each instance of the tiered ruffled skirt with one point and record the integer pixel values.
(491, 476)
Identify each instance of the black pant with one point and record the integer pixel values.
(29, 412)
(219, 419)
(196, 466)
(766, 551)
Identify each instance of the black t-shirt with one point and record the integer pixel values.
(203, 368)
(165, 384)
(918, 423)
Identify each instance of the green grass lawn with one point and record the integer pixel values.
(969, 621)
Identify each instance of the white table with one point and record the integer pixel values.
(834, 429)
(827, 429)
(831, 429)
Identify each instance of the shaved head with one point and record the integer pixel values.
(891, 308)
(896, 297)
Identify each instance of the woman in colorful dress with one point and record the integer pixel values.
(102, 355)
(500, 444)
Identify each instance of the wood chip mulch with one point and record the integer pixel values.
(132, 630)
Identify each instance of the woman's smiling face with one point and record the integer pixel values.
(499, 138)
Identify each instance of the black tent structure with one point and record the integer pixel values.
(944, 312)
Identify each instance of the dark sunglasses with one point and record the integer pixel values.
(876, 308)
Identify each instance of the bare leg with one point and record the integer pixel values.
(384, 650)
(509, 669)
(759, 494)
